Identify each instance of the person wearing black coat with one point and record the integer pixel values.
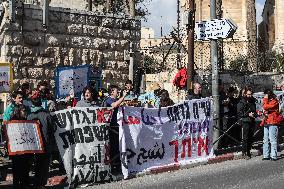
(246, 110)
(42, 161)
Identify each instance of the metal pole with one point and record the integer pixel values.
(131, 61)
(215, 77)
(190, 34)
(132, 8)
(108, 5)
(12, 11)
(45, 13)
(90, 5)
(178, 34)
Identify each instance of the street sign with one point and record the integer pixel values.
(215, 29)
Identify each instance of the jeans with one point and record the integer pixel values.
(270, 135)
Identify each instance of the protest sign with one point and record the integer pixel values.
(24, 137)
(178, 134)
(6, 77)
(71, 79)
(83, 141)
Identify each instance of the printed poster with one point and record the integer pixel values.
(71, 79)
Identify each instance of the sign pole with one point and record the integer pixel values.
(215, 77)
(190, 63)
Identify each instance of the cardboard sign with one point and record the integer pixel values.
(6, 77)
(24, 137)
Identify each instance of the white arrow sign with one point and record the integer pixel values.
(215, 29)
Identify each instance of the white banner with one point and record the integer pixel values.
(83, 141)
(24, 137)
(151, 138)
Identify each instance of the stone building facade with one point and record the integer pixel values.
(232, 48)
(72, 37)
(271, 29)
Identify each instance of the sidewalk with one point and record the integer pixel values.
(218, 159)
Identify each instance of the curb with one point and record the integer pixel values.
(217, 159)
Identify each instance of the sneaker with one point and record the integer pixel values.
(263, 159)
(273, 159)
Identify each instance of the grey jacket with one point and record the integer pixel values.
(86, 103)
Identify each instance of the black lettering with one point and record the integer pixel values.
(195, 110)
(85, 118)
(176, 114)
(65, 141)
(94, 114)
(100, 132)
(77, 113)
(170, 113)
(60, 120)
(78, 135)
(88, 131)
(187, 111)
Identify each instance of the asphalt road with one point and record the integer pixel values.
(236, 174)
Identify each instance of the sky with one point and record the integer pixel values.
(163, 12)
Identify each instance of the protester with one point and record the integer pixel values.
(71, 101)
(20, 163)
(165, 99)
(27, 93)
(114, 102)
(231, 104)
(151, 99)
(46, 96)
(272, 120)
(90, 98)
(246, 109)
(42, 161)
(197, 92)
(129, 86)
(17, 99)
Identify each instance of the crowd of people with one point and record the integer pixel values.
(237, 119)
(28, 104)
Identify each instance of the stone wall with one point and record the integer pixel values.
(72, 38)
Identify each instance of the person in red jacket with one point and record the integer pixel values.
(271, 123)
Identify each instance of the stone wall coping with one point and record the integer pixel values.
(82, 12)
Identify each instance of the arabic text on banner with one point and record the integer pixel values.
(83, 141)
(151, 138)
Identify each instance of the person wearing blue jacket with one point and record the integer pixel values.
(17, 99)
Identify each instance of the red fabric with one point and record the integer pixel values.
(56, 180)
(271, 108)
(74, 103)
(180, 78)
(35, 95)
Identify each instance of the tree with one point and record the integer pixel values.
(130, 7)
(151, 65)
(252, 36)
